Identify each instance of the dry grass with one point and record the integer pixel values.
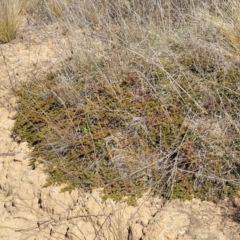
(228, 24)
(9, 19)
(150, 100)
(55, 7)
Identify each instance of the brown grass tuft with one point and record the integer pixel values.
(9, 19)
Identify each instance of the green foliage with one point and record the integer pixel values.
(158, 109)
(103, 138)
(84, 160)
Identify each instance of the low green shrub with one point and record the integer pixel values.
(157, 109)
(122, 137)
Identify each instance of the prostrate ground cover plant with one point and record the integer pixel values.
(155, 106)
